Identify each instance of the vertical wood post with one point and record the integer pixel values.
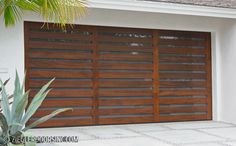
(95, 77)
(209, 76)
(155, 75)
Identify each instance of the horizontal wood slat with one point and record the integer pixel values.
(60, 46)
(124, 39)
(178, 67)
(60, 64)
(64, 122)
(126, 84)
(126, 120)
(125, 111)
(49, 35)
(112, 48)
(181, 42)
(183, 109)
(67, 93)
(183, 100)
(182, 59)
(183, 76)
(66, 103)
(182, 92)
(124, 66)
(127, 75)
(169, 84)
(124, 102)
(118, 93)
(59, 74)
(180, 118)
(181, 51)
(76, 112)
(61, 83)
(126, 57)
(60, 55)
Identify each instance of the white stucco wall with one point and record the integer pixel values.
(227, 86)
(12, 46)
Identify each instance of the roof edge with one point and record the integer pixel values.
(160, 7)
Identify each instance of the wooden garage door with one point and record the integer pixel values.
(119, 75)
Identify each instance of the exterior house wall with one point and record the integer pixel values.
(12, 44)
(227, 106)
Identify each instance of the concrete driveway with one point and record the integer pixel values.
(203, 133)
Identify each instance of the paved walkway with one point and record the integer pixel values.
(204, 133)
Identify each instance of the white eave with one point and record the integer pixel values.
(160, 7)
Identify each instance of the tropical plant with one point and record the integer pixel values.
(14, 118)
(58, 11)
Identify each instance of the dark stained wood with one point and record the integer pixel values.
(67, 103)
(126, 57)
(182, 59)
(60, 55)
(125, 75)
(182, 92)
(117, 93)
(180, 118)
(177, 67)
(124, 102)
(124, 66)
(181, 51)
(76, 112)
(182, 76)
(126, 120)
(59, 64)
(60, 46)
(49, 35)
(67, 93)
(183, 100)
(112, 48)
(209, 76)
(126, 84)
(181, 42)
(156, 76)
(126, 111)
(59, 74)
(179, 84)
(61, 83)
(65, 122)
(183, 109)
(124, 39)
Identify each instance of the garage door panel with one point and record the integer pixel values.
(111, 75)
